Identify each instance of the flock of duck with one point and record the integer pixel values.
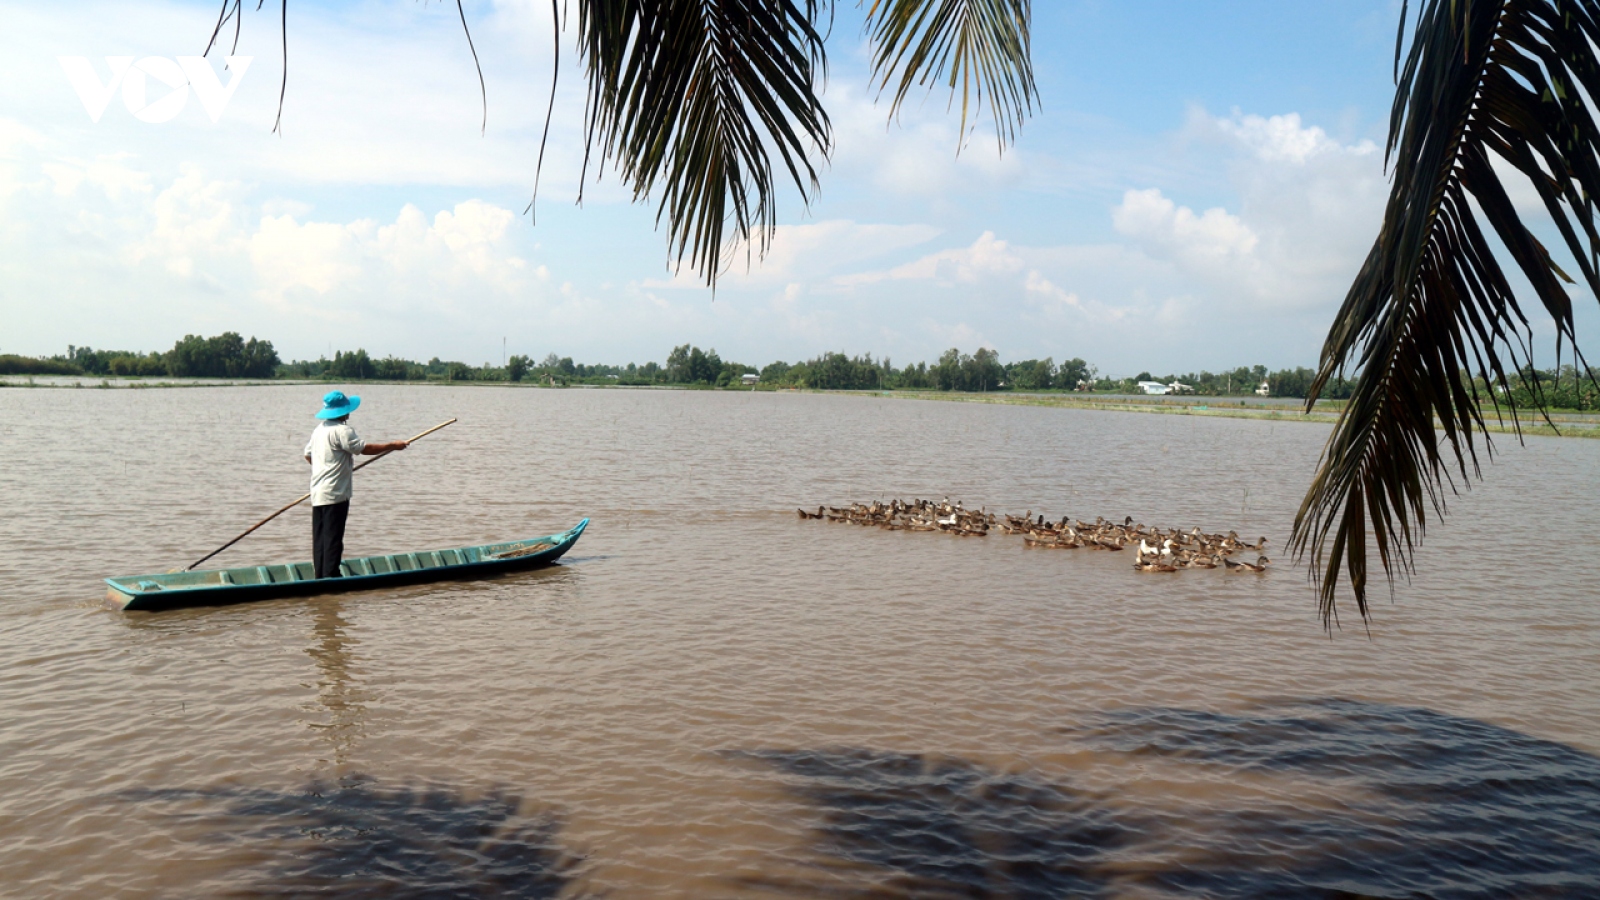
(1156, 549)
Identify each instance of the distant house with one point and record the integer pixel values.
(1154, 387)
(750, 378)
(1265, 390)
(1178, 387)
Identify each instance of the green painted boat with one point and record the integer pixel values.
(217, 587)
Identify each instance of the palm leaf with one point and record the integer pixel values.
(976, 46)
(1432, 306)
(690, 100)
(693, 97)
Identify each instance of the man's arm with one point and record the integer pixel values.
(373, 448)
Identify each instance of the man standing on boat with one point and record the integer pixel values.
(332, 447)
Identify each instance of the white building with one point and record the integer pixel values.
(1264, 390)
(750, 378)
(1154, 387)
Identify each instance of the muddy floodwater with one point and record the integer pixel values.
(711, 698)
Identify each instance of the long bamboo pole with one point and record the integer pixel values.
(303, 499)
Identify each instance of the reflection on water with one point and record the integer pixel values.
(338, 693)
(1369, 800)
(911, 825)
(1409, 803)
(356, 840)
(1413, 802)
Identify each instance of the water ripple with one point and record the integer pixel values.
(713, 699)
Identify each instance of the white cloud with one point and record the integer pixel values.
(987, 257)
(1307, 209)
(194, 215)
(470, 238)
(1212, 238)
(959, 335)
(15, 140)
(1057, 304)
(799, 317)
(915, 154)
(462, 250)
(14, 135)
(1279, 139)
(195, 250)
(106, 172)
(807, 251)
(316, 256)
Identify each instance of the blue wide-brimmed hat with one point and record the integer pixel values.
(336, 405)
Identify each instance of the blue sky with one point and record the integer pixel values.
(1196, 192)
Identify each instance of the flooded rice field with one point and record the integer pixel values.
(711, 698)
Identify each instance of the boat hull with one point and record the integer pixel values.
(221, 587)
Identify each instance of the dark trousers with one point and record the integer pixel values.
(327, 537)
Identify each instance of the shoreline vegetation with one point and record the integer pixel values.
(228, 359)
(1563, 423)
(1566, 423)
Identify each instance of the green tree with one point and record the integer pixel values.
(982, 370)
(12, 364)
(353, 365)
(916, 377)
(1072, 372)
(704, 366)
(1291, 382)
(190, 357)
(947, 372)
(836, 371)
(516, 367)
(259, 360)
(677, 368)
(1031, 374)
(226, 355)
(391, 368)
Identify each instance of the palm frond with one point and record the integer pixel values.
(1432, 305)
(975, 46)
(693, 97)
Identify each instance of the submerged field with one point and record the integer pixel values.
(1558, 423)
(710, 697)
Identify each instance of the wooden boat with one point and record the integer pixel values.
(216, 587)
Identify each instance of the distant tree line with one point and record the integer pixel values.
(689, 365)
(1566, 387)
(227, 355)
